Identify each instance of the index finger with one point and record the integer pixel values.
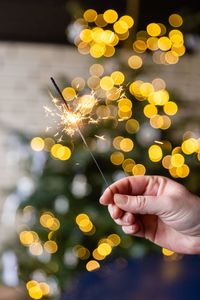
(132, 185)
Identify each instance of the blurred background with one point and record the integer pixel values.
(141, 61)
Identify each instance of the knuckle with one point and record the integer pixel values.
(140, 202)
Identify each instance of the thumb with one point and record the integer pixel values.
(140, 204)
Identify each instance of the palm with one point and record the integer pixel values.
(161, 234)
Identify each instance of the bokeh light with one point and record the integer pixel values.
(139, 169)
(167, 252)
(37, 289)
(153, 29)
(92, 265)
(155, 153)
(117, 158)
(110, 16)
(37, 144)
(175, 20)
(135, 62)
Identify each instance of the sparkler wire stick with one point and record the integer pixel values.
(80, 133)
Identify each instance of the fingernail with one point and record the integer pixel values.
(120, 199)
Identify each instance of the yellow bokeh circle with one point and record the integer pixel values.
(97, 256)
(155, 153)
(120, 27)
(90, 15)
(117, 158)
(153, 29)
(170, 108)
(35, 292)
(128, 165)
(126, 145)
(177, 160)
(51, 247)
(69, 93)
(92, 265)
(106, 83)
(118, 77)
(190, 146)
(150, 110)
(135, 62)
(116, 142)
(37, 144)
(86, 35)
(125, 105)
(104, 249)
(128, 20)
(166, 162)
(175, 20)
(139, 169)
(167, 252)
(110, 16)
(114, 239)
(164, 43)
(132, 126)
(97, 50)
(183, 171)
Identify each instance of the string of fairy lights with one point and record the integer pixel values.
(99, 36)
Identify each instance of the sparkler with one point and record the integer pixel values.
(69, 115)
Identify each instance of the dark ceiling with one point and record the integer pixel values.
(46, 20)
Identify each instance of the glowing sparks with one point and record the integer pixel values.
(68, 118)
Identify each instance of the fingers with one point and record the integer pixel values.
(141, 204)
(115, 211)
(129, 222)
(124, 219)
(133, 185)
(134, 229)
(131, 229)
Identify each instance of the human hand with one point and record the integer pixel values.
(158, 209)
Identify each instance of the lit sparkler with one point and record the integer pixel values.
(71, 116)
(70, 120)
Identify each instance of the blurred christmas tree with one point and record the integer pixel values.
(130, 132)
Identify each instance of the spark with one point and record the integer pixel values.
(102, 137)
(159, 142)
(48, 128)
(60, 139)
